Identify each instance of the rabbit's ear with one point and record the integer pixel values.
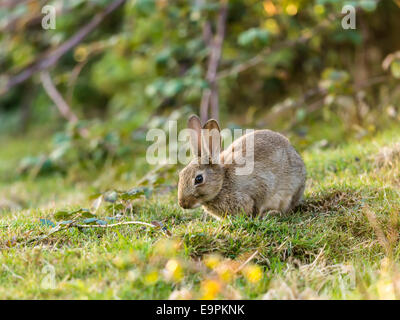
(211, 139)
(195, 134)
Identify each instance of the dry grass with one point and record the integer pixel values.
(388, 156)
(333, 201)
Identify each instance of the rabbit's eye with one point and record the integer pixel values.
(198, 179)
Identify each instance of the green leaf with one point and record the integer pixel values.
(163, 56)
(172, 88)
(60, 215)
(368, 5)
(116, 207)
(395, 69)
(145, 7)
(301, 114)
(47, 222)
(85, 213)
(254, 35)
(111, 196)
(90, 221)
(136, 192)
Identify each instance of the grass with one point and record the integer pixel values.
(342, 243)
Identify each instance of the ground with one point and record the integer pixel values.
(342, 243)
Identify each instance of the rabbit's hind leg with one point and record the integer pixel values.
(285, 203)
(278, 202)
(297, 198)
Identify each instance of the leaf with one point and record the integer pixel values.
(116, 207)
(95, 196)
(47, 222)
(159, 180)
(126, 196)
(253, 35)
(301, 114)
(163, 57)
(368, 5)
(90, 221)
(111, 197)
(85, 213)
(135, 193)
(172, 88)
(145, 7)
(64, 222)
(60, 215)
(58, 153)
(97, 203)
(395, 69)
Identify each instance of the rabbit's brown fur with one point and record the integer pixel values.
(277, 181)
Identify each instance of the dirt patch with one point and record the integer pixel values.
(334, 201)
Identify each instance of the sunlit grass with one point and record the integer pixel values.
(340, 244)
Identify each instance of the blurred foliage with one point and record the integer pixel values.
(70, 148)
(149, 58)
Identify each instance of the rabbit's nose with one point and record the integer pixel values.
(184, 204)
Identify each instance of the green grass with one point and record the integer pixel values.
(340, 244)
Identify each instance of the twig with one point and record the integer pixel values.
(73, 79)
(74, 224)
(54, 230)
(312, 265)
(113, 225)
(94, 48)
(260, 57)
(150, 173)
(13, 3)
(54, 95)
(320, 94)
(247, 261)
(59, 101)
(27, 20)
(10, 4)
(50, 59)
(207, 32)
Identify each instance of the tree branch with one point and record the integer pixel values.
(260, 57)
(283, 45)
(54, 95)
(10, 4)
(50, 59)
(59, 101)
(210, 95)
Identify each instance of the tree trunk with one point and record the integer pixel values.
(210, 95)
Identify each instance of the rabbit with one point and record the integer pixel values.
(276, 183)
